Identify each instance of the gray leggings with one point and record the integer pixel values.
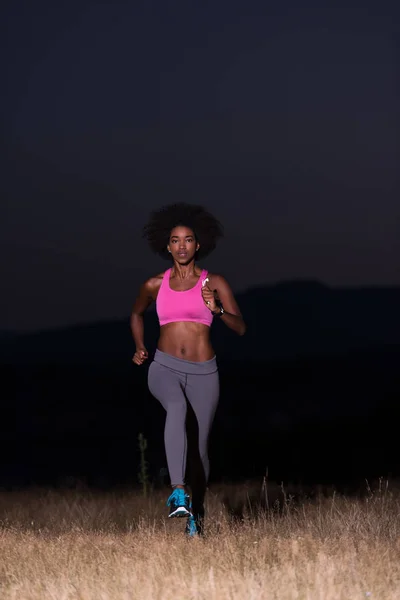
(175, 382)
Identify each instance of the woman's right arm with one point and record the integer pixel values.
(143, 301)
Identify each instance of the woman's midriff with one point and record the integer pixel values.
(187, 340)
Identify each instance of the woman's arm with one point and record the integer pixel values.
(219, 288)
(147, 293)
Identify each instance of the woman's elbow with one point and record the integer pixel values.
(135, 318)
(242, 328)
(136, 315)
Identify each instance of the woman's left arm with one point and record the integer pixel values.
(218, 289)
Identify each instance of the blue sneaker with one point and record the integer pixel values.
(194, 523)
(179, 503)
(191, 527)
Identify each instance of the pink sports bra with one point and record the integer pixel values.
(188, 305)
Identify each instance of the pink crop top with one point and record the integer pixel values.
(187, 305)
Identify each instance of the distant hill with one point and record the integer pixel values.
(284, 321)
(306, 318)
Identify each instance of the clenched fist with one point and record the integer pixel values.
(209, 297)
(140, 356)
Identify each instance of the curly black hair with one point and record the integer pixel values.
(206, 228)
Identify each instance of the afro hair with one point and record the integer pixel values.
(206, 228)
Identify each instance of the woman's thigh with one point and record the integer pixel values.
(165, 385)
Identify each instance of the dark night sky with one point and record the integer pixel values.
(281, 117)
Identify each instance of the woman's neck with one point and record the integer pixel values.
(184, 271)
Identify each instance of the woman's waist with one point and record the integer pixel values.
(185, 365)
(187, 341)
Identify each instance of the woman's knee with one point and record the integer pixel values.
(176, 406)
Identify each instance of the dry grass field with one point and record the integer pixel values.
(81, 545)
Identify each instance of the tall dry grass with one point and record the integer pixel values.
(102, 546)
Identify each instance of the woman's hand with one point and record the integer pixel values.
(209, 298)
(140, 356)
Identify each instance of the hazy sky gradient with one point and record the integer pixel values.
(283, 118)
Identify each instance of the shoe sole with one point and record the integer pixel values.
(180, 512)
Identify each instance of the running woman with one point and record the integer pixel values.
(183, 376)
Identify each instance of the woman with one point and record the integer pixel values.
(184, 374)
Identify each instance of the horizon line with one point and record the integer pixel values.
(9, 333)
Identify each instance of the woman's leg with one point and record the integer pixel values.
(167, 387)
(202, 392)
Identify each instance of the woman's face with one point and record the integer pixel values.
(182, 244)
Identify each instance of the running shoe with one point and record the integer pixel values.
(194, 523)
(179, 503)
(191, 527)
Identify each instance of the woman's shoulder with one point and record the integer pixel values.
(215, 277)
(218, 282)
(153, 283)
